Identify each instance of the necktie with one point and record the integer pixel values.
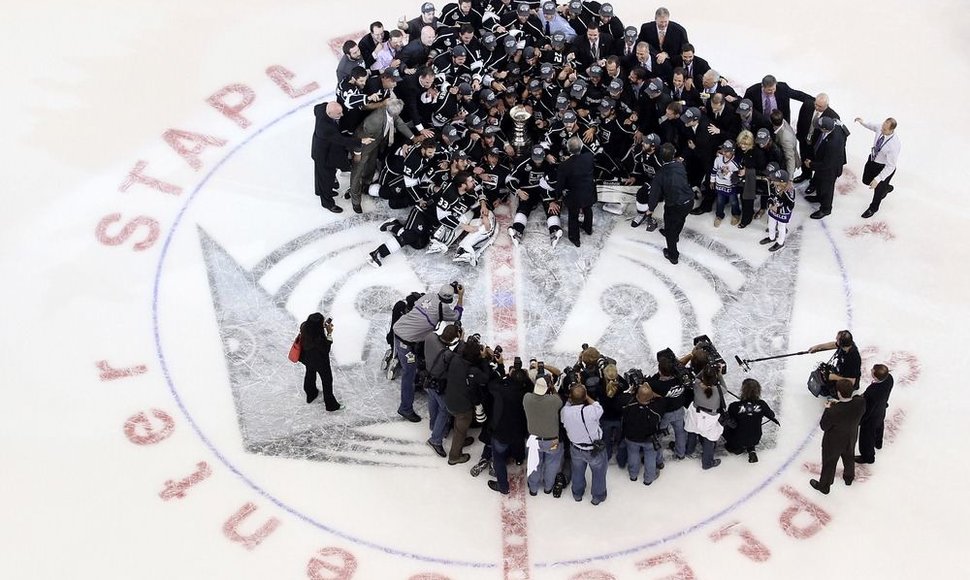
(766, 107)
(547, 28)
(811, 130)
(594, 49)
(661, 34)
(880, 142)
(389, 132)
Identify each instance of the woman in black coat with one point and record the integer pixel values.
(316, 338)
(753, 162)
(747, 414)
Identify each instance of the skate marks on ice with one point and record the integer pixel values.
(259, 311)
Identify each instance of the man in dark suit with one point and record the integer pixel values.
(593, 49)
(827, 160)
(665, 38)
(774, 95)
(369, 43)
(806, 129)
(871, 426)
(700, 147)
(574, 185)
(840, 422)
(694, 66)
(380, 129)
(329, 152)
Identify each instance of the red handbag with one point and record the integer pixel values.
(295, 350)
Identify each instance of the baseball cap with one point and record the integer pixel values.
(495, 151)
(535, 84)
(510, 44)
(464, 89)
(476, 122)
(779, 175)
(450, 131)
(595, 70)
(492, 129)
(489, 41)
(562, 101)
(745, 106)
(655, 86)
(615, 86)
(690, 115)
(528, 52)
(607, 104)
(427, 7)
(458, 51)
(606, 10)
(548, 7)
(538, 151)
(523, 9)
(771, 168)
(630, 32)
(576, 6)
(546, 71)
(826, 123)
(392, 74)
(727, 145)
(578, 89)
(570, 117)
(652, 139)
(558, 39)
(762, 137)
(446, 293)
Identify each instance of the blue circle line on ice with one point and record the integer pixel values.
(387, 549)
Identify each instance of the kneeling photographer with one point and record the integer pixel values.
(846, 363)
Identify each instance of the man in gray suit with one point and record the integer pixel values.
(381, 125)
(784, 137)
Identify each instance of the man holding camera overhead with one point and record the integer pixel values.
(414, 327)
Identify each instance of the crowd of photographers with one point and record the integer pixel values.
(564, 420)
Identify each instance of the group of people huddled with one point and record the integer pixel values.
(561, 420)
(422, 120)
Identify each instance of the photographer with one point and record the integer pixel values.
(581, 418)
(747, 414)
(702, 417)
(316, 338)
(641, 423)
(415, 326)
(590, 367)
(507, 422)
(615, 397)
(666, 383)
(542, 408)
(468, 376)
(438, 352)
(846, 363)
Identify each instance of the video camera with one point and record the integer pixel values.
(684, 375)
(634, 378)
(456, 286)
(705, 343)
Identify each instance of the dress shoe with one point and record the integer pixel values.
(463, 458)
(863, 460)
(889, 189)
(811, 198)
(743, 225)
(801, 177)
(819, 214)
(765, 241)
(575, 242)
(818, 487)
(375, 259)
(810, 190)
(775, 247)
(758, 214)
(494, 486)
(533, 493)
(334, 208)
(848, 482)
(358, 209)
(868, 214)
(310, 397)
(752, 457)
(468, 441)
(672, 259)
(698, 211)
(412, 416)
(335, 407)
(438, 448)
(712, 465)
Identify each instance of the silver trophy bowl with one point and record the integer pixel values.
(520, 116)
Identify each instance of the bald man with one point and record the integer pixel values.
(329, 152)
(806, 130)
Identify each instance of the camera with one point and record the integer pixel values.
(634, 378)
(456, 286)
(540, 368)
(497, 352)
(684, 375)
(716, 359)
(517, 363)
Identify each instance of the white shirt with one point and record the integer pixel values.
(889, 152)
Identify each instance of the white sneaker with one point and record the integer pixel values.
(555, 236)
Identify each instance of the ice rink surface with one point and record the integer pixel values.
(152, 428)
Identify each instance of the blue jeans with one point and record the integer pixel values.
(550, 461)
(597, 464)
(723, 199)
(500, 455)
(614, 439)
(675, 419)
(707, 449)
(408, 372)
(651, 460)
(438, 415)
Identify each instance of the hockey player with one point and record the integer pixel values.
(455, 209)
(534, 180)
(414, 232)
(404, 182)
(781, 203)
(645, 165)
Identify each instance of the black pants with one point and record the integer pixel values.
(830, 459)
(674, 218)
(869, 172)
(326, 377)
(324, 182)
(870, 436)
(573, 223)
(825, 189)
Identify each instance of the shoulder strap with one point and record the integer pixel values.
(583, 417)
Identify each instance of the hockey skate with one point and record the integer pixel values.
(388, 225)
(463, 256)
(651, 223)
(638, 219)
(386, 360)
(515, 235)
(436, 247)
(375, 259)
(555, 236)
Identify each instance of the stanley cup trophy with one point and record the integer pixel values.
(520, 116)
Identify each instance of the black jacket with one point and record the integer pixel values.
(670, 186)
(574, 184)
(507, 419)
(877, 400)
(466, 385)
(329, 145)
(674, 40)
(748, 415)
(640, 422)
(783, 97)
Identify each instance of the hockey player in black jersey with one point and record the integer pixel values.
(534, 180)
(645, 164)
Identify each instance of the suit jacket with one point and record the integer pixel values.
(367, 47)
(329, 146)
(674, 40)
(584, 53)
(699, 66)
(700, 159)
(574, 181)
(783, 96)
(877, 399)
(728, 122)
(829, 153)
(804, 122)
(840, 422)
(786, 140)
(375, 126)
